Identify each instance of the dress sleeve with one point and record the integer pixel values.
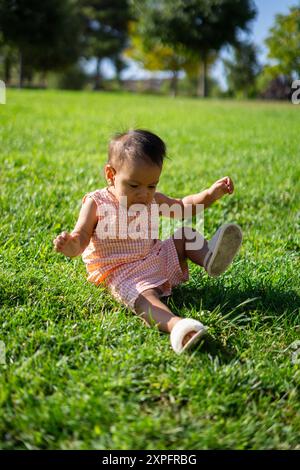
(95, 196)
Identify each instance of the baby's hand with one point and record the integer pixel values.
(67, 244)
(221, 187)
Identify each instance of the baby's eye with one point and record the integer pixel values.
(135, 186)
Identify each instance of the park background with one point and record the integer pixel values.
(77, 370)
(242, 49)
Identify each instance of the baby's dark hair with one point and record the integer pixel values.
(136, 145)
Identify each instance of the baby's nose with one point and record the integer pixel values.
(143, 195)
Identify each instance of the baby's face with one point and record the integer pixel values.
(136, 181)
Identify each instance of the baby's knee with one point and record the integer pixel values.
(190, 238)
(185, 233)
(181, 237)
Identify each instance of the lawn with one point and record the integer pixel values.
(78, 370)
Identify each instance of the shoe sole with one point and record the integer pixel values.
(227, 246)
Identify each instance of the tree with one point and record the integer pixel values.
(9, 58)
(242, 70)
(284, 44)
(278, 88)
(105, 30)
(46, 34)
(154, 56)
(200, 26)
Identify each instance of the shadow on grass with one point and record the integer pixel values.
(261, 298)
(269, 302)
(216, 349)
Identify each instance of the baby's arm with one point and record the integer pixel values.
(206, 198)
(74, 243)
(213, 193)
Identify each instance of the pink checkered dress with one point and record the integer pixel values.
(128, 266)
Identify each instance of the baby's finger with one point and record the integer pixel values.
(228, 183)
(224, 186)
(62, 235)
(59, 242)
(63, 238)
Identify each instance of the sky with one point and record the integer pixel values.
(267, 10)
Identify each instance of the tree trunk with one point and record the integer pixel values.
(98, 75)
(44, 79)
(21, 70)
(29, 77)
(118, 77)
(174, 83)
(7, 69)
(202, 79)
(119, 67)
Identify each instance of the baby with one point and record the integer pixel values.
(133, 263)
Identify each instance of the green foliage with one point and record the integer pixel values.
(105, 26)
(151, 54)
(73, 78)
(154, 56)
(82, 372)
(45, 33)
(8, 58)
(52, 35)
(284, 43)
(242, 70)
(201, 27)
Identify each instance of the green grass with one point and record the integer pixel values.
(82, 372)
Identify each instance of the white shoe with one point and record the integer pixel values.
(223, 247)
(181, 329)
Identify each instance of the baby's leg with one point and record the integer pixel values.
(186, 235)
(216, 255)
(149, 307)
